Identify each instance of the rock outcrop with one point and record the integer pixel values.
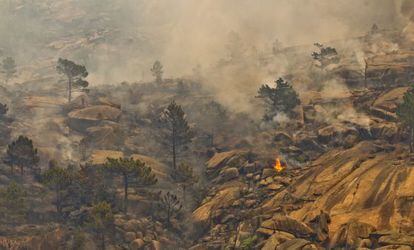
(81, 119)
(369, 183)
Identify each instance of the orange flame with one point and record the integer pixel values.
(278, 165)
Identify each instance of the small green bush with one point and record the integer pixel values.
(248, 243)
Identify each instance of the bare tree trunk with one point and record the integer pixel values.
(126, 193)
(365, 73)
(168, 216)
(184, 189)
(58, 205)
(70, 89)
(103, 241)
(174, 150)
(411, 139)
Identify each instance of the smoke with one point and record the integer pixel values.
(231, 40)
(334, 89)
(184, 33)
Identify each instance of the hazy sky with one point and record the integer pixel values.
(181, 33)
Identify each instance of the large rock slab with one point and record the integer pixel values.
(223, 198)
(370, 182)
(350, 234)
(336, 133)
(108, 136)
(396, 239)
(81, 119)
(290, 225)
(386, 104)
(45, 102)
(277, 239)
(216, 163)
(296, 244)
(390, 100)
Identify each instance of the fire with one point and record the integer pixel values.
(278, 165)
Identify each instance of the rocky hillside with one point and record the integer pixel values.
(107, 170)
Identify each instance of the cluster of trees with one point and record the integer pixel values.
(84, 187)
(13, 204)
(88, 185)
(280, 99)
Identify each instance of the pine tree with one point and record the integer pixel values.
(283, 98)
(74, 73)
(59, 180)
(130, 170)
(101, 221)
(96, 185)
(171, 205)
(157, 71)
(325, 56)
(21, 153)
(176, 132)
(405, 112)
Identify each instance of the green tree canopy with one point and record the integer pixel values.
(95, 185)
(283, 98)
(74, 73)
(101, 221)
(13, 203)
(176, 132)
(21, 153)
(325, 55)
(59, 180)
(130, 170)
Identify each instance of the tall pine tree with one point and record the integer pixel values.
(74, 73)
(176, 132)
(405, 112)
